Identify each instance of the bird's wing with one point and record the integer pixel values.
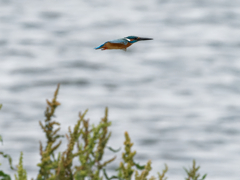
(119, 41)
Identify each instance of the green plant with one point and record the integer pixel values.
(86, 145)
(89, 142)
(22, 173)
(4, 176)
(193, 173)
(48, 160)
(162, 176)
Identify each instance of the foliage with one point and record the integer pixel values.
(4, 176)
(162, 176)
(89, 142)
(128, 166)
(193, 173)
(22, 174)
(7, 157)
(48, 160)
(86, 145)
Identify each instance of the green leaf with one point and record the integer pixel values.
(185, 169)
(106, 176)
(9, 159)
(138, 166)
(4, 176)
(113, 150)
(204, 176)
(1, 139)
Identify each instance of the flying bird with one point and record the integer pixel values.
(123, 43)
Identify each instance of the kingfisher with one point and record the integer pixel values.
(123, 43)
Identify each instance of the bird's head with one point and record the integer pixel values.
(133, 39)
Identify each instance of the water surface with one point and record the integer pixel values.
(177, 96)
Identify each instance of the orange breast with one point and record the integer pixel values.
(109, 45)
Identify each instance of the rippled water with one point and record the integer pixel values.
(177, 96)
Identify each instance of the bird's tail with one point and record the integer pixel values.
(99, 47)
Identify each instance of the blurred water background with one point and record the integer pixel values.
(178, 96)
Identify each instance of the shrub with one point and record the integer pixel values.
(86, 143)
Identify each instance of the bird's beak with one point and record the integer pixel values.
(144, 39)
